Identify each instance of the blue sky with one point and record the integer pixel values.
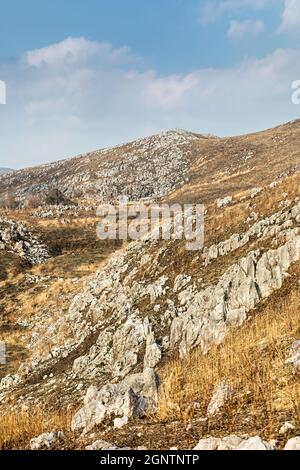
(81, 75)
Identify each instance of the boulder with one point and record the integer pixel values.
(46, 440)
(294, 357)
(15, 236)
(153, 351)
(214, 443)
(255, 443)
(224, 202)
(132, 398)
(293, 444)
(101, 445)
(286, 428)
(222, 394)
(120, 422)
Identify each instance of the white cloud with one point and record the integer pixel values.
(168, 92)
(239, 29)
(72, 51)
(71, 106)
(291, 17)
(212, 10)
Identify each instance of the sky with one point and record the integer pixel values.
(86, 74)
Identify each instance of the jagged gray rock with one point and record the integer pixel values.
(223, 202)
(255, 443)
(153, 351)
(104, 445)
(164, 159)
(294, 358)
(286, 428)
(46, 440)
(222, 394)
(238, 291)
(15, 237)
(129, 399)
(265, 228)
(214, 443)
(233, 442)
(107, 309)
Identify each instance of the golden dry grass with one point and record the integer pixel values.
(76, 254)
(220, 223)
(252, 361)
(18, 427)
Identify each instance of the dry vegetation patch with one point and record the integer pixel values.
(252, 361)
(19, 426)
(45, 291)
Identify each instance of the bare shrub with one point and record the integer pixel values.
(32, 202)
(56, 197)
(8, 201)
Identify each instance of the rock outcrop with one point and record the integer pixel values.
(132, 398)
(146, 168)
(238, 291)
(108, 310)
(15, 237)
(222, 395)
(293, 444)
(294, 358)
(46, 440)
(234, 443)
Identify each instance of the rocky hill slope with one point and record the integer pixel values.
(5, 170)
(150, 167)
(177, 161)
(157, 346)
(16, 238)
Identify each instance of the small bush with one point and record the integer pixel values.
(8, 201)
(32, 202)
(56, 197)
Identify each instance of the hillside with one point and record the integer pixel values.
(3, 171)
(145, 344)
(179, 162)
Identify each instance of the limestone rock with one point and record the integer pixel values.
(293, 444)
(255, 443)
(237, 292)
(101, 445)
(222, 394)
(132, 398)
(120, 422)
(233, 442)
(153, 351)
(15, 236)
(112, 400)
(294, 358)
(212, 443)
(224, 202)
(46, 440)
(145, 387)
(286, 428)
(181, 281)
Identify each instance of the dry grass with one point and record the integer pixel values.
(18, 427)
(221, 223)
(252, 361)
(76, 254)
